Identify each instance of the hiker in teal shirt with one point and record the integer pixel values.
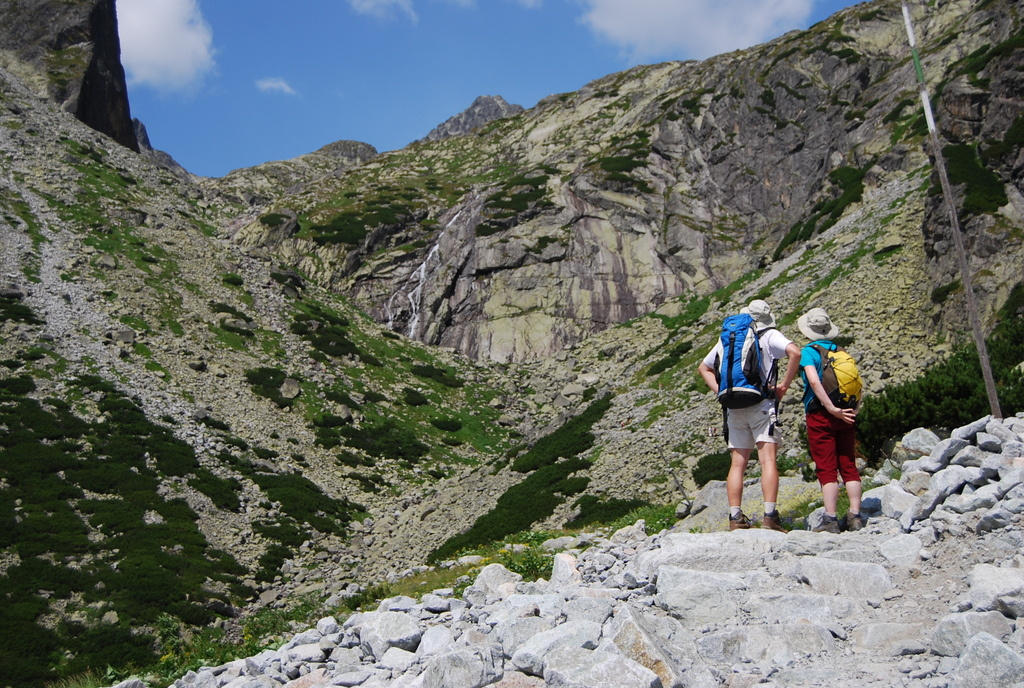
(831, 433)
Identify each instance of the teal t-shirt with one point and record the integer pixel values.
(809, 356)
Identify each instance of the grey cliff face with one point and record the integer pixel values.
(71, 51)
(656, 187)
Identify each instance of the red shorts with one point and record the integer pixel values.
(831, 442)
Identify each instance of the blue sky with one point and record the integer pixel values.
(223, 84)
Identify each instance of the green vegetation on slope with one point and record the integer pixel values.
(951, 393)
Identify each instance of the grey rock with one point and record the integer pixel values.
(989, 442)
(381, 631)
(530, 658)
(468, 668)
(919, 442)
(833, 577)
(311, 652)
(435, 640)
(950, 636)
(969, 432)
(593, 609)
(660, 644)
(778, 644)
(985, 497)
(987, 662)
(581, 668)
(397, 659)
(887, 637)
(697, 597)
(786, 607)
(891, 500)
(496, 581)
(512, 633)
(435, 604)
(970, 456)
(564, 571)
(997, 588)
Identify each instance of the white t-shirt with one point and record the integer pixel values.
(773, 347)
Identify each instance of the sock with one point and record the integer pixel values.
(734, 511)
(769, 507)
(831, 517)
(852, 514)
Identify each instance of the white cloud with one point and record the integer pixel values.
(685, 29)
(166, 44)
(275, 83)
(384, 8)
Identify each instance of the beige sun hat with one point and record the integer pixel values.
(816, 325)
(761, 312)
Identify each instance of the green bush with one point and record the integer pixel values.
(947, 395)
(712, 467)
(386, 440)
(984, 192)
(223, 492)
(940, 294)
(670, 361)
(301, 499)
(569, 440)
(13, 310)
(266, 382)
(531, 563)
(414, 397)
(595, 510)
(447, 424)
(531, 500)
(437, 374)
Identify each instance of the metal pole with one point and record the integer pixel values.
(954, 221)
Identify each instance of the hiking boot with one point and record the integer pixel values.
(773, 522)
(829, 525)
(854, 522)
(740, 522)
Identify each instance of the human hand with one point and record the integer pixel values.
(848, 416)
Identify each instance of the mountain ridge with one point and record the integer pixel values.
(312, 374)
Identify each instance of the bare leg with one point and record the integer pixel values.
(830, 495)
(769, 471)
(853, 491)
(734, 483)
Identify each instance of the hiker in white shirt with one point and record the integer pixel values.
(756, 425)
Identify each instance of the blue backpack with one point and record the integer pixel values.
(739, 370)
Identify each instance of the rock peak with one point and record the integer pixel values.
(483, 110)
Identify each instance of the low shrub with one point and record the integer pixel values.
(573, 438)
(712, 467)
(386, 440)
(596, 510)
(437, 374)
(414, 397)
(447, 424)
(949, 394)
(266, 382)
(531, 500)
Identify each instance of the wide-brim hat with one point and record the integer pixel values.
(816, 325)
(761, 312)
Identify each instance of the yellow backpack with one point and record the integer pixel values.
(840, 377)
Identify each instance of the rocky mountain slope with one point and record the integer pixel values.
(660, 185)
(928, 595)
(70, 53)
(222, 394)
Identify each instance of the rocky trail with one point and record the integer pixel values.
(927, 595)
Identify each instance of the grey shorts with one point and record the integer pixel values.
(750, 426)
